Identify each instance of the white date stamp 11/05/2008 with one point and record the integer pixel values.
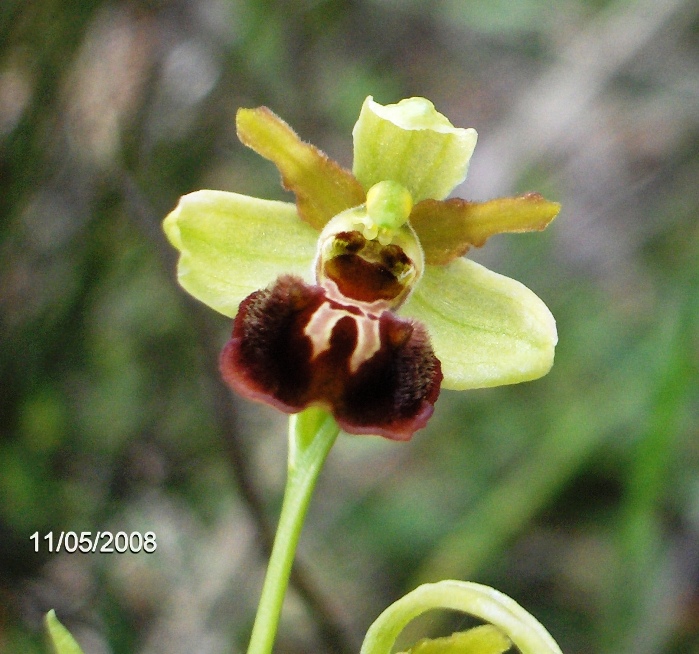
(104, 542)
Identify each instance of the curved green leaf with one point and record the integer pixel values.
(482, 602)
(231, 245)
(486, 329)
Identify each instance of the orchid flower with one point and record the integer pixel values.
(357, 297)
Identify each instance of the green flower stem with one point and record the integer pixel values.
(311, 435)
(483, 602)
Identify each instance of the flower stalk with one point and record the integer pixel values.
(311, 436)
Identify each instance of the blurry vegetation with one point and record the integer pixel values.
(578, 494)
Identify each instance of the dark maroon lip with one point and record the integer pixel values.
(293, 347)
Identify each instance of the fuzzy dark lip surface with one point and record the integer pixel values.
(271, 359)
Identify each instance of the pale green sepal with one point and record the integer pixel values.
(485, 639)
(412, 144)
(482, 602)
(486, 329)
(231, 245)
(60, 638)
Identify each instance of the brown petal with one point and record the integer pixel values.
(447, 229)
(292, 347)
(322, 187)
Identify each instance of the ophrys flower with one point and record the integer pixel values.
(357, 297)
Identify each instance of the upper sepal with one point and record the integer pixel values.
(322, 187)
(450, 228)
(230, 245)
(413, 144)
(486, 329)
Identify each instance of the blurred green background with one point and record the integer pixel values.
(577, 494)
